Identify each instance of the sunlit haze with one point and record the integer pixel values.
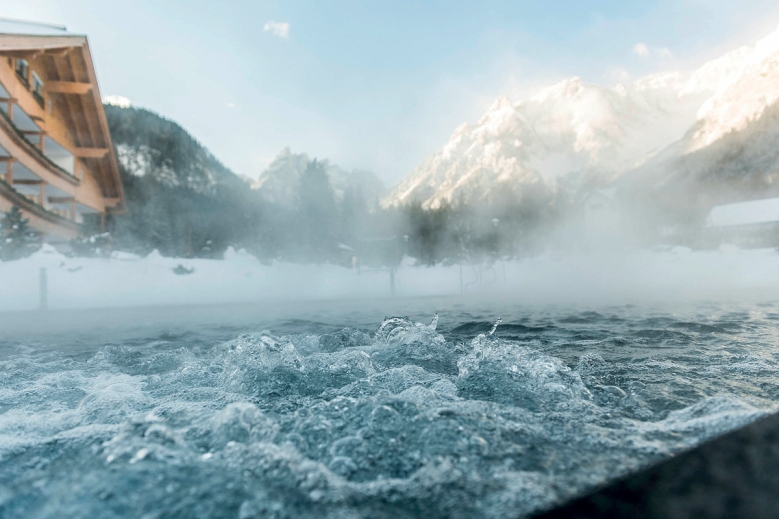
(376, 86)
(389, 259)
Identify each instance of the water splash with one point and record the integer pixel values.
(400, 423)
(495, 326)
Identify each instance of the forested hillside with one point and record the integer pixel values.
(183, 202)
(180, 199)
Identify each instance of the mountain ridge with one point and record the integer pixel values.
(279, 182)
(575, 136)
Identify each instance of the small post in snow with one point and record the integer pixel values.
(44, 289)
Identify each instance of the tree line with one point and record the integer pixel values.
(318, 228)
(185, 203)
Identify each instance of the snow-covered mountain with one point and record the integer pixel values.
(742, 96)
(575, 135)
(279, 182)
(730, 152)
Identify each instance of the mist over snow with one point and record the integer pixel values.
(577, 286)
(507, 195)
(671, 275)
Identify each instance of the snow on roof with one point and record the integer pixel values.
(745, 213)
(31, 28)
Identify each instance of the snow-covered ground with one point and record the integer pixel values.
(629, 276)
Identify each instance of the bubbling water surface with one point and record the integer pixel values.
(401, 421)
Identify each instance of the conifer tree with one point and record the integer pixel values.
(318, 213)
(17, 239)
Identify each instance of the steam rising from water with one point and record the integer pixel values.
(597, 278)
(403, 422)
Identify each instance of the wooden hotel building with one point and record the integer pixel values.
(57, 161)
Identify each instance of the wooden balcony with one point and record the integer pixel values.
(54, 132)
(40, 218)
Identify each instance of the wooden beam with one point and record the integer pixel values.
(110, 202)
(60, 53)
(67, 113)
(80, 135)
(61, 199)
(19, 54)
(26, 182)
(87, 109)
(68, 87)
(13, 44)
(112, 183)
(90, 153)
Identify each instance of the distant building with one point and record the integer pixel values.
(56, 157)
(748, 224)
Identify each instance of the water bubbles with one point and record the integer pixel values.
(140, 455)
(240, 422)
(342, 339)
(591, 363)
(401, 423)
(342, 465)
(385, 419)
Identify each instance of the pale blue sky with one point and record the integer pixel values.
(375, 85)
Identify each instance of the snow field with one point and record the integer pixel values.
(615, 277)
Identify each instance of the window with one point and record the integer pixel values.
(37, 89)
(23, 71)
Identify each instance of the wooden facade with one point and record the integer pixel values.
(57, 162)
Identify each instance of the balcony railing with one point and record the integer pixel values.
(69, 176)
(8, 192)
(39, 98)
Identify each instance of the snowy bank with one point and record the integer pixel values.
(614, 278)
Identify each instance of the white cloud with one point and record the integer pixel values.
(120, 101)
(645, 51)
(641, 49)
(280, 29)
(231, 105)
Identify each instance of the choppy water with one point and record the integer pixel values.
(335, 413)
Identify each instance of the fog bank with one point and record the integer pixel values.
(621, 277)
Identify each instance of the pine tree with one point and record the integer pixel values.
(354, 215)
(18, 240)
(318, 213)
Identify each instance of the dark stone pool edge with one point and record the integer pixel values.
(733, 476)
